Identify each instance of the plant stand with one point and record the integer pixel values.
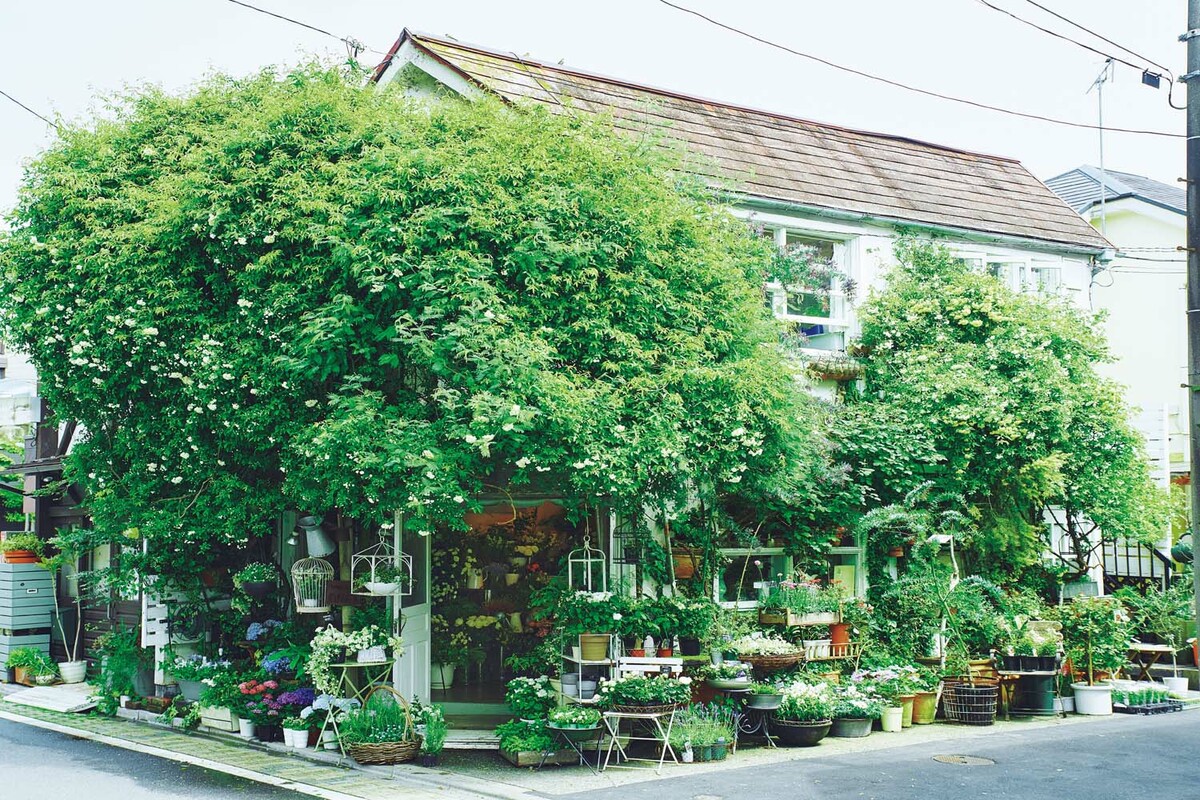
(748, 720)
(377, 673)
(653, 730)
(571, 736)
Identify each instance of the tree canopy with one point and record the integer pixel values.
(993, 395)
(289, 291)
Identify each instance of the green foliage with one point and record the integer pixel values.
(22, 541)
(994, 396)
(1163, 613)
(517, 736)
(378, 722)
(121, 658)
(290, 291)
(1096, 634)
(31, 659)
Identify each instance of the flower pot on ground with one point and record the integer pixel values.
(441, 676)
(795, 733)
(892, 719)
(689, 647)
(1093, 699)
(925, 708)
(906, 706)
(246, 728)
(805, 714)
(1176, 686)
(76, 671)
(851, 727)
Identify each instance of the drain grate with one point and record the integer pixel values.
(966, 761)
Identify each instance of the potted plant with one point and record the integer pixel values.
(727, 675)
(1096, 637)
(433, 740)
(766, 652)
(257, 579)
(530, 698)
(295, 732)
(695, 619)
(22, 547)
(259, 713)
(639, 694)
(1164, 614)
(27, 664)
(221, 701)
(74, 669)
(764, 696)
(527, 744)
(383, 580)
(577, 723)
(855, 708)
(805, 714)
(368, 644)
(381, 732)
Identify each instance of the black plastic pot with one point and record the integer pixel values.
(1030, 663)
(689, 647)
(428, 760)
(258, 589)
(1010, 663)
(800, 734)
(1047, 663)
(1034, 696)
(268, 733)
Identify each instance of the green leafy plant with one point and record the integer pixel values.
(574, 717)
(806, 702)
(34, 661)
(638, 690)
(377, 722)
(434, 739)
(530, 698)
(1096, 634)
(121, 658)
(256, 572)
(22, 541)
(517, 736)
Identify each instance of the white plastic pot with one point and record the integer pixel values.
(1176, 686)
(892, 719)
(1094, 701)
(441, 676)
(76, 671)
(371, 655)
(245, 729)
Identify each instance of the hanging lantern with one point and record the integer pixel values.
(310, 578)
(381, 571)
(319, 543)
(587, 570)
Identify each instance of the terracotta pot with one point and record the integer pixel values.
(896, 552)
(637, 652)
(665, 652)
(839, 633)
(20, 557)
(685, 560)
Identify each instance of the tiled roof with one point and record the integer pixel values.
(1080, 188)
(776, 157)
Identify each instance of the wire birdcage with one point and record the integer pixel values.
(381, 571)
(587, 569)
(310, 578)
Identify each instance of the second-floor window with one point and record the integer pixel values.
(815, 307)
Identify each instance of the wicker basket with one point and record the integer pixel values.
(387, 753)
(772, 663)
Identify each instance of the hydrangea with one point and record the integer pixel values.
(258, 630)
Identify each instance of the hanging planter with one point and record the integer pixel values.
(587, 570)
(835, 369)
(380, 571)
(310, 577)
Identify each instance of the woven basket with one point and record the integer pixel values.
(772, 663)
(387, 753)
(662, 708)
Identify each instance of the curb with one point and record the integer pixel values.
(183, 758)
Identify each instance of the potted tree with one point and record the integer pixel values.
(1096, 637)
(74, 669)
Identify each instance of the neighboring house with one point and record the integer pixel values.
(18, 388)
(849, 194)
(1143, 293)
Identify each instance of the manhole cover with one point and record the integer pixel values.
(967, 761)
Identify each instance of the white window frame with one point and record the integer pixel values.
(837, 298)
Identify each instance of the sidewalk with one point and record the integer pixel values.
(261, 764)
(467, 774)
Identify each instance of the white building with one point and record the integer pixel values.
(18, 388)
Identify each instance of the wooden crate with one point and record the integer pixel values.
(779, 616)
(531, 758)
(221, 719)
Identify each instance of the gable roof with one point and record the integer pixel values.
(775, 157)
(1080, 188)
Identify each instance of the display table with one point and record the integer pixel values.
(651, 726)
(1145, 656)
(1026, 693)
(375, 673)
(577, 738)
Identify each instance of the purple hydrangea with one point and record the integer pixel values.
(257, 630)
(298, 697)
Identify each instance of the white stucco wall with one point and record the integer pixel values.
(1147, 322)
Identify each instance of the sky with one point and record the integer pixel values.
(64, 57)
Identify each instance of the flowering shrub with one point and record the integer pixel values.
(638, 690)
(574, 716)
(258, 701)
(530, 698)
(804, 595)
(196, 668)
(763, 644)
(260, 630)
(855, 701)
(806, 702)
(891, 682)
(297, 699)
(726, 670)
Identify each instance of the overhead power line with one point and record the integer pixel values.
(1065, 38)
(353, 45)
(44, 119)
(914, 89)
(1102, 38)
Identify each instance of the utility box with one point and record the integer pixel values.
(26, 608)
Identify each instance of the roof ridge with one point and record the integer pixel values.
(420, 36)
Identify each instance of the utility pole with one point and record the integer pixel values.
(1192, 80)
(1098, 84)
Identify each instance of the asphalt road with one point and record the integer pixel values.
(1121, 758)
(43, 765)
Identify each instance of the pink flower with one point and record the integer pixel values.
(271, 685)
